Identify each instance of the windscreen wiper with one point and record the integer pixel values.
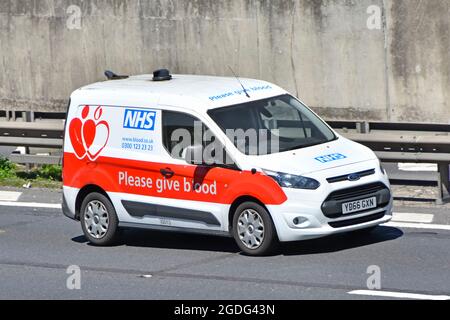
(305, 146)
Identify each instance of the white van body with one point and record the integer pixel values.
(114, 145)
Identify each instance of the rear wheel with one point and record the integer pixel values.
(99, 219)
(253, 229)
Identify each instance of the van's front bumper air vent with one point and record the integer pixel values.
(355, 221)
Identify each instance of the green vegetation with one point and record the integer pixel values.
(7, 168)
(45, 176)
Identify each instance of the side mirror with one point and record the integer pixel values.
(194, 154)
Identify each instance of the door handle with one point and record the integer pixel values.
(167, 173)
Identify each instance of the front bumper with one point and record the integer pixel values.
(319, 214)
(317, 227)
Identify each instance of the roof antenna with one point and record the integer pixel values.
(237, 78)
(112, 76)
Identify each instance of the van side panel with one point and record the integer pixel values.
(119, 149)
(144, 178)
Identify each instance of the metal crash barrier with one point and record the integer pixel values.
(45, 137)
(392, 142)
(406, 142)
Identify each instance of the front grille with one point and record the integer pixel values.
(351, 222)
(332, 206)
(344, 177)
(354, 192)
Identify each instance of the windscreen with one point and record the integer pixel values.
(272, 125)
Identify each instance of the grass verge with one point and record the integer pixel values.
(45, 176)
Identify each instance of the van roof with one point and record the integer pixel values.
(187, 91)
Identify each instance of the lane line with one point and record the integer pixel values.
(162, 273)
(413, 217)
(394, 224)
(9, 195)
(30, 204)
(417, 225)
(430, 167)
(399, 295)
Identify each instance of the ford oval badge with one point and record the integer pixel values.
(354, 177)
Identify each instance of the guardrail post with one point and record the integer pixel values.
(29, 116)
(362, 127)
(26, 118)
(443, 183)
(11, 115)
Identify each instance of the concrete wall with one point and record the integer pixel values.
(320, 50)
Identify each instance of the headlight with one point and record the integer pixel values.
(287, 180)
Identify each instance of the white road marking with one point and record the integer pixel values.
(431, 167)
(389, 224)
(400, 295)
(417, 225)
(30, 204)
(413, 217)
(9, 195)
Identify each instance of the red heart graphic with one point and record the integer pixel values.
(89, 131)
(101, 141)
(75, 137)
(85, 112)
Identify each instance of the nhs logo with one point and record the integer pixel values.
(139, 119)
(330, 157)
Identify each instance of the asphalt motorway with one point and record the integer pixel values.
(37, 245)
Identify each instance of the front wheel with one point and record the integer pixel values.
(99, 219)
(253, 229)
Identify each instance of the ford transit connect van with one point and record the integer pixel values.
(215, 155)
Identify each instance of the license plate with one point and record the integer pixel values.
(359, 205)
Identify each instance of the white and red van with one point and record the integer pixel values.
(158, 152)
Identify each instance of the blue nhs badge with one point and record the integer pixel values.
(330, 157)
(139, 119)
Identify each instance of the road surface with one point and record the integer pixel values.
(38, 244)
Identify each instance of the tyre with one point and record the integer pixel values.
(99, 220)
(253, 229)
